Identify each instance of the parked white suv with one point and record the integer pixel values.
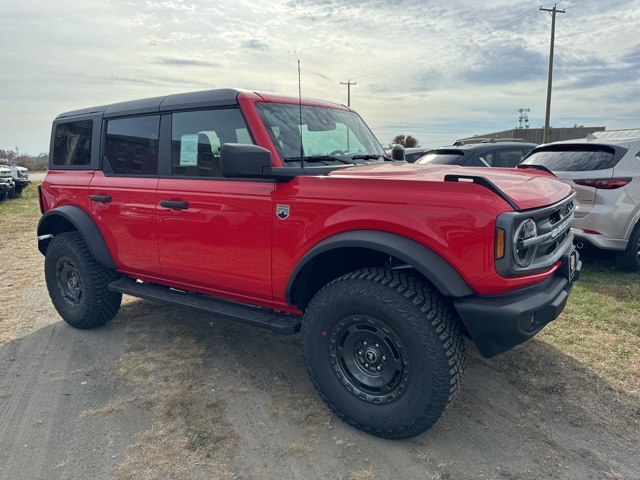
(20, 177)
(7, 185)
(604, 168)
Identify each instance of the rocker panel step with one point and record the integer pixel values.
(277, 322)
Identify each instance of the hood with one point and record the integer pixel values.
(526, 188)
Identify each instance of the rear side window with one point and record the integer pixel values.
(445, 157)
(131, 145)
(508, 157)
(72, 143)
(196, 138)
(574, 158)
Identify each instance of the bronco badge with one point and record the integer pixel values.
(282, 211)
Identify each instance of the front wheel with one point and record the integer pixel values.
(78, 283)
(384, 351)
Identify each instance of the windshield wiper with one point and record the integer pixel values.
(318, 158)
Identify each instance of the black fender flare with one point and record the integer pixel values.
(83, 223)
(435, 268)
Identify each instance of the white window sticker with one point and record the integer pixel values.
(189, 150)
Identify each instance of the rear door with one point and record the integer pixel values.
(123, 194)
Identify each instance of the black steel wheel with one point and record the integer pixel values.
(370, 359)
(78, 283)
(384, 351)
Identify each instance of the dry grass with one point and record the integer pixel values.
(19, 217)
(190, 438)
(117, 406)
(363, 474)
(300, 449)
(601, 324)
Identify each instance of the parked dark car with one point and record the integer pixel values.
(485, 154)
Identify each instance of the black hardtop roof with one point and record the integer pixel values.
(180, 101)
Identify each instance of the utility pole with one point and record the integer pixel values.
(348, 84)
(554, 10)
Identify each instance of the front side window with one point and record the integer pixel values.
(196, 138)
(131, 146)
(72, 143)
(318, 132)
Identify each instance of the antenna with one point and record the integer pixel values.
(300, 105)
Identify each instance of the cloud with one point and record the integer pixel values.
(439, 68)
(185, 62)
(255, 44)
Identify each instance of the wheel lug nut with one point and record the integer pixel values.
(378, 368)
(366, 365)
(384, 359)
(377, 345)
(360, 353)
(365, 343)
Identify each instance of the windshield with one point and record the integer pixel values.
(325, 135)
(448, 158)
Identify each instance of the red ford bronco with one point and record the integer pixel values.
(286, 214)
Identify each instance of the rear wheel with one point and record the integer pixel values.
(629, 259)
(384, 351)
(78, 283)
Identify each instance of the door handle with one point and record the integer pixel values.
(174, 204)
(100, 198)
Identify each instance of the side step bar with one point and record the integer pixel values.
(277, 322)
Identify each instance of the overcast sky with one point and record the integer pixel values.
(437, 70)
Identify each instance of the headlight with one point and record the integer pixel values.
(523, 250)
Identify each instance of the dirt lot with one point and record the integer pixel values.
(165, 393)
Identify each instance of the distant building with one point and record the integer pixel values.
(535, 135)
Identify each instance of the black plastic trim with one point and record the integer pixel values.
(499, 322)
(277, 322)
(437, 270)
(485, 183)
(84, 224)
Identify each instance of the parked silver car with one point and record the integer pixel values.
(605, 171)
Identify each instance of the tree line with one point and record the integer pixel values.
(32, 163)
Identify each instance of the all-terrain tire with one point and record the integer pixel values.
(384, 351)
(629, 259)
(78, 283)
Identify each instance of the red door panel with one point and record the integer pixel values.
(127, 220)
(221, 241)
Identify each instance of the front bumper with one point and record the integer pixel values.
(497, 323)
(22, 183)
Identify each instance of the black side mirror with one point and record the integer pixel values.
(240, 160)
(397, 152)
